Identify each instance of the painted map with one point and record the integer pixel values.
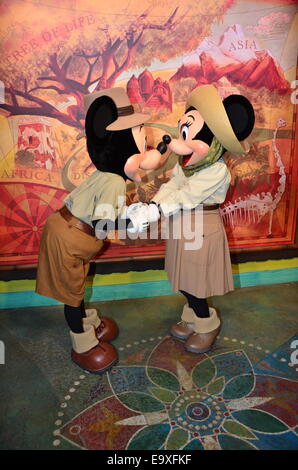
(56, 52)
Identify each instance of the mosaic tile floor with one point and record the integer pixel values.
(241, 395)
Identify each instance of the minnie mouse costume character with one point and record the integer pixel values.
(208, 128)
(116, 143)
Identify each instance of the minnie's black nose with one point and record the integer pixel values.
(167, 139)
(162, 148)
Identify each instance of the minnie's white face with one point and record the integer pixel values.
(191, 150)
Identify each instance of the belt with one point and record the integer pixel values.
(211, 207)
(77, 223)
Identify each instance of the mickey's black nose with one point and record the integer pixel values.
(167, 139)
(162, 146)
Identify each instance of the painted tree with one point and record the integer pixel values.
(81, 54)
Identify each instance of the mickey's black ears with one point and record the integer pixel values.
(241, 115)
(101, 113)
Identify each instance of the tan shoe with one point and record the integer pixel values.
(90, 354)
(106, 329)
(205, 333)
(184, 328)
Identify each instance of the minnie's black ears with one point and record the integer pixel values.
(241, 115)
(100, 114)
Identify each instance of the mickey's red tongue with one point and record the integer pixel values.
(186, 159)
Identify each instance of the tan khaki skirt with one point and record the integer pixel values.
(202, 272)
(63, 262)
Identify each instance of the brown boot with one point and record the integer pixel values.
(205, 333)
(184, 328)
(106, 329)
(90, 354)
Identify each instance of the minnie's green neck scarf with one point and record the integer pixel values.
(214, 154)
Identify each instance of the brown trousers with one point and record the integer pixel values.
(63, 263)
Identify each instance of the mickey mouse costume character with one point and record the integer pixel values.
(208, 128)
(116, 143)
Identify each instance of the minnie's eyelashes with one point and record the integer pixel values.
(187, 124)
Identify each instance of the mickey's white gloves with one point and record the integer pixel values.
(141, 215)
(132, 212)
(134, 208)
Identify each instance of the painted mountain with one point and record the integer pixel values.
(236, 58)
(152, 93)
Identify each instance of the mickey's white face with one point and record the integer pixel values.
(139, 134)
(191, 150)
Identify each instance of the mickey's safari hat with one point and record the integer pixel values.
(127, 117)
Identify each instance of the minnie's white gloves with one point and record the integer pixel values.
(140, 215)
(153, 213)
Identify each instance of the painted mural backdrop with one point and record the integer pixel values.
(54, 52)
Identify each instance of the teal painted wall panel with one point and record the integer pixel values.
(144, 289)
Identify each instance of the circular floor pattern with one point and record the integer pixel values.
(196, 408)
